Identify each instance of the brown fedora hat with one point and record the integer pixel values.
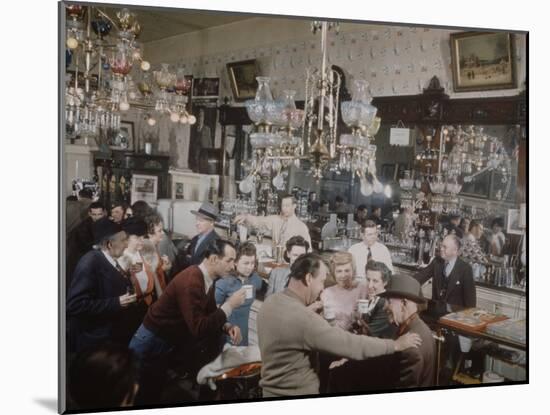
(207, 211)
(404, 286)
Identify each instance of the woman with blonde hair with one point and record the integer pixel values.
(341, 299)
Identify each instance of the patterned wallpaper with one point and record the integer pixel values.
(395, 60)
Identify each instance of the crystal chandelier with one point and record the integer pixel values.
(171, 98)
(276, 146)
(473, 153)
(111, 76)
(357, 154)
(93, 109)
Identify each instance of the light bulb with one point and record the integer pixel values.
(184, 119)
(192, 119)
(124, 106)
(151, 121)
(72, 43)
(387, 191)
(366, 187)
(174, 117)
(377, 186)
(145, 66)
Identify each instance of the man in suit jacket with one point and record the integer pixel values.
(186, 318)
(98, 296)
(206, 216)
(415, 367)
(453, 288)
(409, 368)
(80, 239)
(452, 278)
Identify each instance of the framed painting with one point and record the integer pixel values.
(206, 88)
(482, 61)
(513, 222)
(389, 171)
(242, 77)
(144, 187)
(70, 78)
(124, 140)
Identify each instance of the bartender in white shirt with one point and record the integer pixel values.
(368, 249)
(283, 226)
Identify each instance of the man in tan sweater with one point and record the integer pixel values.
(289, 334)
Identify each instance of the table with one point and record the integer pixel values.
(478, 334)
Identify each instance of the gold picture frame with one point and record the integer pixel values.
(483, 61)
(242, 77)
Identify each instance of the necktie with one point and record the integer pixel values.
(282, 231)
(369, 254)
(129, 285)
(120, 269)
(445, 281)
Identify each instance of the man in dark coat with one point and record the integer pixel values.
(413, 367)
(452, 279)
(80, 239)
(453, 288)
(78, 209)
(99, 293)
(206, 216)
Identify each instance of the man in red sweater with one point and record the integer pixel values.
(186, 319)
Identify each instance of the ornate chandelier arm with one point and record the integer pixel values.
(471, 177)
(108, 18)
(323, 76)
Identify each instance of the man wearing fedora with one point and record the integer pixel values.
(415, 366)
(409, 368)
(290, 334)
(206, 216)
(100, 291)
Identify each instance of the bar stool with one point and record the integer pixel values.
(242, 382)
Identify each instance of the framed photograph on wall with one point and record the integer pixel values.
(512, 222)
(94, 79)
(144, 187)
(483, 61)
(242, 77)
(388, 171)
(203, 132)
(206, 87)
(124, 140)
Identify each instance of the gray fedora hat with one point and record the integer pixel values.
(207, 211)
(404, 286)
